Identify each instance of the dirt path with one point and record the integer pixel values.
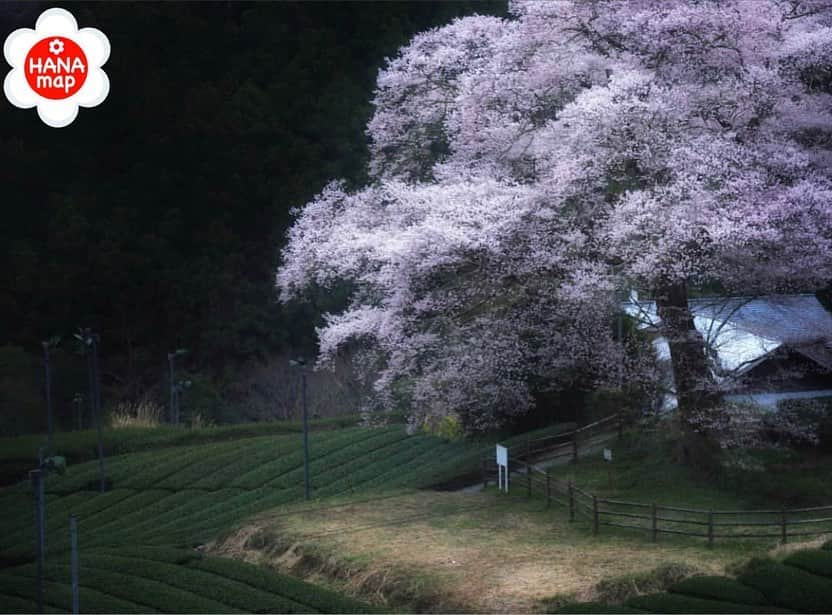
(589, 447)
(592, 446)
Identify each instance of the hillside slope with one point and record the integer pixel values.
(136, 538)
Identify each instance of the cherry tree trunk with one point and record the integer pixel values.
(695, 391)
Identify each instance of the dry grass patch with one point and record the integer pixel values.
(435, 551)
(136, 414)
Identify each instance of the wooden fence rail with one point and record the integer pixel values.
(652, 518)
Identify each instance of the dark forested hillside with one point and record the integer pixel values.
(157, 217)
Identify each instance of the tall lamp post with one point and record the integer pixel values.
(78, 402)
(89, 341)
(301, 364)
(179, 389)
(37, 477)
(174, 397)
(47, 389)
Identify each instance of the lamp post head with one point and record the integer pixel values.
(298, 362)
(55, 464)
(52, 342)
(179, 352)
(85, 336)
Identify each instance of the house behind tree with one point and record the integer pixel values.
(762, 349)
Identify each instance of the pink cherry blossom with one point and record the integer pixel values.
(526, 168)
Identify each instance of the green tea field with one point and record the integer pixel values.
(137, 540)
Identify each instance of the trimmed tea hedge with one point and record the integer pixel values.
(790, 587)
(596, 607)
(13, 604)
(719, 588)
(147, 593)
(318, 598)
(216, 587)
(169, 555)
(814, 561)
(80, 446)
(133, 537)
(58, 596)
(677, 603)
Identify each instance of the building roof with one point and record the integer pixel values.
(744, 330)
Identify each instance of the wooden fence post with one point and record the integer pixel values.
(654, 522)
(595, 520)
(528, 479)
(783, 522)
(575, 447)
(710, 528)
(571, 502)
(620, 425)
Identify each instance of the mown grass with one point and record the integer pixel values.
(476, 551)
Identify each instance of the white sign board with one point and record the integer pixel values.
(607, 454)
(502, 467)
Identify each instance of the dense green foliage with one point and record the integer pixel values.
(135, 538)
(157, 217)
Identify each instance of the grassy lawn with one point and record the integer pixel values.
(467, 551)
(646, 471)
(648, 476)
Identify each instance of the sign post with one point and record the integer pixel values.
(502, 468)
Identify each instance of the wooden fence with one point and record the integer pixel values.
(652, 519)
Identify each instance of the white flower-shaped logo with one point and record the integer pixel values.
(56, 67)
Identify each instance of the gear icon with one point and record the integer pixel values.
(56, 46)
